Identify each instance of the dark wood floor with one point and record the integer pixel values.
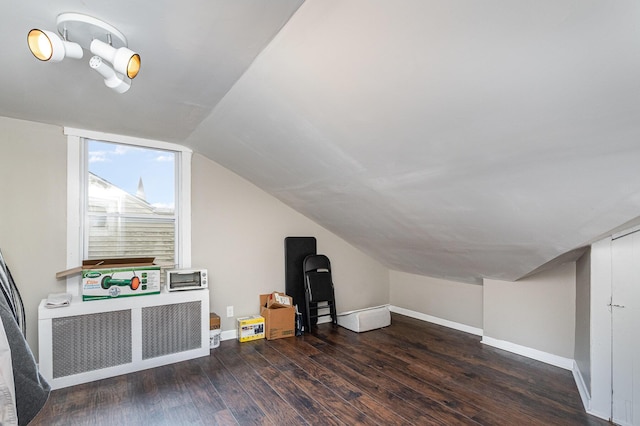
(409, 373)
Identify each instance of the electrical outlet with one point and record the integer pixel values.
(229, 311)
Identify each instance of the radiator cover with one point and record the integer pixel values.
(170, 329)
(90, 342)
(93, 340)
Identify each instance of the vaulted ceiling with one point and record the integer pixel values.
(456, 139)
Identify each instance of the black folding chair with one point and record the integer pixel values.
(318, 289)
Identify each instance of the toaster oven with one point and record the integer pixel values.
(186, 279)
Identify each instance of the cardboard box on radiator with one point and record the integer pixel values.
(113, 278)
(279, 316)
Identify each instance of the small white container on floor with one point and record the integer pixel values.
(365, 319)
(214, 338)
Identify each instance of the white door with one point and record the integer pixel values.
(625, 312)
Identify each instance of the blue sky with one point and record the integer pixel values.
(124, 165)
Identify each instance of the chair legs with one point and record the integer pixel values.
(309, 308)
(307, 311)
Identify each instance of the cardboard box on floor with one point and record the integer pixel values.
(112, 278)
(278, 300)
(279, 319)
(214, 321)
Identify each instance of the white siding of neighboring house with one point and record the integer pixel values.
(145, 231)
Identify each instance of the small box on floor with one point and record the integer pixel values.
(277, 300)
(279, 315)
(250, 328)
(214, 321)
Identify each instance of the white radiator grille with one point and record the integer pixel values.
(170, 329)
(91, 342)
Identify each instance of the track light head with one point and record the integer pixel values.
(124, 60)
(112, 79)
(49, 46)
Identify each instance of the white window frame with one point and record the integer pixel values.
(76, 194)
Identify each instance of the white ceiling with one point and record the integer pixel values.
(192, 52)
(456, 139)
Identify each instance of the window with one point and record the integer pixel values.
(127, 197)
(130, 202)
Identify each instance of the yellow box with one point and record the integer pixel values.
(250, 328)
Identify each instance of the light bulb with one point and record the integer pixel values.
(49, 46)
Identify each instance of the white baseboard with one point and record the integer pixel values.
(603, 416)
(582, 387)
(585, 395)
(229, 335)
(541, 356)
(436, 320)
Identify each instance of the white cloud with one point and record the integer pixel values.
(104, 156)
(164, 158)
(121, 149)
(98, 157)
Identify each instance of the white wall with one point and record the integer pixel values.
(448, 300)
(238, 233)
(537, 312)
(33, 184)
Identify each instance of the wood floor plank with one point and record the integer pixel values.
(272, 368)
(306, 406)
(276, 408)
(318, 390)
(537, 400)
(224, 418)
(411, 372)
(232, 393)
(204, 396)
(81, 397)
(379, 393)
(478, 377)
(474, 377)
(436, 410)
(430, 386)
(397, 370)
(379, 413)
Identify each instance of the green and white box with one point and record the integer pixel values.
(113, 278)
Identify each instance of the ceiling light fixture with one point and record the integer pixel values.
(102, 39)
